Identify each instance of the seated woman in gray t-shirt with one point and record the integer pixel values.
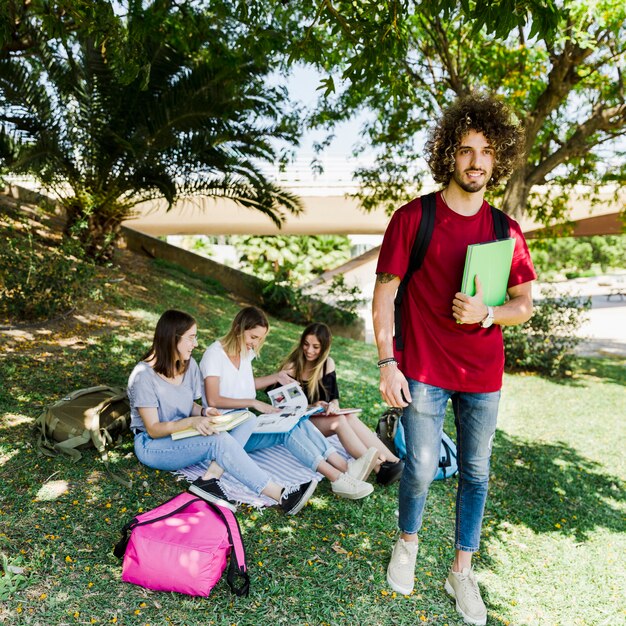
(163, 389)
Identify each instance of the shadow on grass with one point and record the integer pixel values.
(35, 381)
(551, 488)
(606, 369)
(610, 370)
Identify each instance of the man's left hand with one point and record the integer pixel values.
(470, 309)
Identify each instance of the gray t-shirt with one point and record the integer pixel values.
(146, 389)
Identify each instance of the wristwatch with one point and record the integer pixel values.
(488, 321)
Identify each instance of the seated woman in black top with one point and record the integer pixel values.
(310, 364)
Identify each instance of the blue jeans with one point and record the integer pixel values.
(226, 449)
(304, 441)
(475, 419)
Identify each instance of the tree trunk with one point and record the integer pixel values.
(516, 194)
(96, 230)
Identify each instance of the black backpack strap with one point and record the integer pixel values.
(445, 460)
(500, 223)
(120, 547)
(420, 246)
(237, 567)
(418, 252)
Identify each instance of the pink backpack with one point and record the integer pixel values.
(183, 545)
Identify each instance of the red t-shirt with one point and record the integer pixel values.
(437, 350)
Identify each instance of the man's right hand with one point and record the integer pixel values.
(394, 387)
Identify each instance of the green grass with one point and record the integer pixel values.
(554, 529)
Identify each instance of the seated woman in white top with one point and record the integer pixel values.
(229, 383)
(163, 389)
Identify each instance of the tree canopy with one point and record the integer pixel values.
(112, 103)
(168, 99)
(405, 61)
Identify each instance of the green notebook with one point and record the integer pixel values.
(492, 262)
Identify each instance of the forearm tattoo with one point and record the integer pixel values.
(385, 278)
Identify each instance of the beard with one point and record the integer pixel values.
(472, 186)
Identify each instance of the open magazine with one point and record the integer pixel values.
(225, 421)
(284, 421)
(291, 396)
(294, 404)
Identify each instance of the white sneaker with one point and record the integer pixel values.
(348, 487)
(362, 467)
(463, 587)
(401, 568)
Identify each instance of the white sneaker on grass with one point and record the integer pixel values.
(463, 587)
(362, 467)
(348, 487)
(401, 568)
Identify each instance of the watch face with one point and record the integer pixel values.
(488, 321)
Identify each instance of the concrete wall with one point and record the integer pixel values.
(29, 196)
(244, 285)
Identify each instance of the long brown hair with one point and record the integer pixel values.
(248, 318)
(298, 362)
(172, 325)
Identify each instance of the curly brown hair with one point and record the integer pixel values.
(481, 113)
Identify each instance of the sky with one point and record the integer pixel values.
(336, 159)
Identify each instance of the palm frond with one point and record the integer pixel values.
(196, 114)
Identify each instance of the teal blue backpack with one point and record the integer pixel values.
(390, 430)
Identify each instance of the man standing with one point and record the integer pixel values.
(453, 347)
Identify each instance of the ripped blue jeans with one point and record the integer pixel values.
(226, 449)
(475, 418)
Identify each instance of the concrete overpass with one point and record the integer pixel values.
(331, 210)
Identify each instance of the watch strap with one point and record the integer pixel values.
(488, 320)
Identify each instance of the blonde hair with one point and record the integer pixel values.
(250, 317)
(297, 359)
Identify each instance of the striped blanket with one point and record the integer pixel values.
(277, 461)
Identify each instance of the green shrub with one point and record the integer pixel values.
(299, 257)
(573, 255)
(546, 343)
(344, 302)
(39, 282)
(580, 274)
(334, 304)
(283, 299)
(582, 255)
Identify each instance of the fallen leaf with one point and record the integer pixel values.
(338, 548)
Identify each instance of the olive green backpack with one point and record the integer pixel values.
(94, 417)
